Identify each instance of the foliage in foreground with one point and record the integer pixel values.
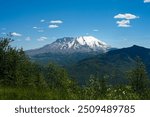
(22, 79)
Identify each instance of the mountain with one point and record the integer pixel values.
(68, 50)
(114, 63)
(83, 44)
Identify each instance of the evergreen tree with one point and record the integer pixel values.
(138, 78)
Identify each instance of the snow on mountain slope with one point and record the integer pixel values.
(91, 42)
(80, 44)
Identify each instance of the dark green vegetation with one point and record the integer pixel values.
(114, 63)
(61, 58)
(22, 79)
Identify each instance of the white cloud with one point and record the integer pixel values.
(28, 38)
(53, 26)
(39, 29)
(146, 1)
(56, 22)
(35, 27)
(123, 23)
(126, 16)
(95, 30)
(42, 20)
(42, 39)
(16, 34)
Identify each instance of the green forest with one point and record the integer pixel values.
(22, 79)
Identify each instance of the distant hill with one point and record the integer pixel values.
(114, 63)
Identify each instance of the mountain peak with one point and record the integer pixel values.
(135, 46)
(138, 47)
(65, 39)
(81, 44)
(90, 41)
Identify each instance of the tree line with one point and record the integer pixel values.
(22, 79)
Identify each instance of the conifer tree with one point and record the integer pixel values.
(138, 78)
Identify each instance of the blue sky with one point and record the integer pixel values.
(34, 23)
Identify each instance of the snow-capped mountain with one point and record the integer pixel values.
(80, 44)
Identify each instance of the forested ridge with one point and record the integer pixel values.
(22, 79)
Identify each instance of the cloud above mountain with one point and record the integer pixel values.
(42, 20)
(16, 34)
(42, 39)
(95, 30)
(35, 27)
(123, 23)
(56, 22)
(125, 19)
(146, 1)
(127, 16)
(53, 26)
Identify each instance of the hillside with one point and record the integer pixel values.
(115, 63)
